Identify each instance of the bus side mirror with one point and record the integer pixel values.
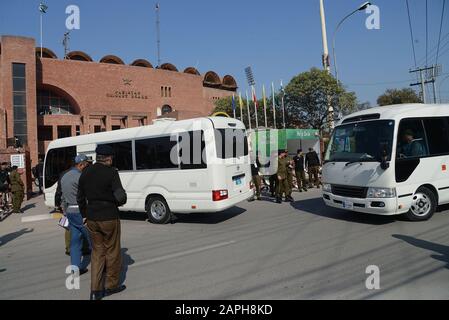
(383, 160)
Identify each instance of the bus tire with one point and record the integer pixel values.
(158, 211)
(423, 206)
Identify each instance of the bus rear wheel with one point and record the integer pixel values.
(423, 206)
(158, 211)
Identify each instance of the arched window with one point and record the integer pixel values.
(52, 103)
(166, 109)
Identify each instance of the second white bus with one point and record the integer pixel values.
(390, 160)
(217, 177)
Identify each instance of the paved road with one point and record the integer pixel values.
(258, 250)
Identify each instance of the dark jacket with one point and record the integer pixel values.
(312, 159)
(100, 193)
(299, 163)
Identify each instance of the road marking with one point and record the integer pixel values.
(40, 217)
(180, 254)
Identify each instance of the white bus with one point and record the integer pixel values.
(390, 160)
(198, 165)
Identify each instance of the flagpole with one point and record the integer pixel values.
(264, 105)
(282, 104)
(41, 38)
(249, 112)
(253, 89)
(241, 106)
(274, 105)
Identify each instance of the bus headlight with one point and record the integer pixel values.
(327, 187)
(381, 193)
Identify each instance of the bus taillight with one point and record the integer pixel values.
(218, 195)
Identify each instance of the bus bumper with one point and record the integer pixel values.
(380, 206)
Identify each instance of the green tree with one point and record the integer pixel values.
(307, 97)
(398, 96)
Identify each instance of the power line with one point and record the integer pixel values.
(411, 32)
(432, 52)
(441, 27)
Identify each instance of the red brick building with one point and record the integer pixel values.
(42, 99)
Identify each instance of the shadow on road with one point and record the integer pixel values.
(12, 236)
(29, 206)
(209, 218)
(198, 218)
(126, 262)
(2, 270)
(438, 248)
(316, 206)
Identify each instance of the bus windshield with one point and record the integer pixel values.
(361, 141)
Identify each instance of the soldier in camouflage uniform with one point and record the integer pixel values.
(17, 189)
(282, 175)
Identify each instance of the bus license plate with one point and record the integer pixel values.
(348, 205)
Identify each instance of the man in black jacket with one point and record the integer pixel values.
(313, 166)
(100, 193)
(299, 171)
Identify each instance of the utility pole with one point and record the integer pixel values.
(431, 74)
(326, 64)
(326, 60)
(158, 30)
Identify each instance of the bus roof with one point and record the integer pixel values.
(399, 111)
(162, 127)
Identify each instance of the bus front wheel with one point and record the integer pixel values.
(158, 211)
(423, 205)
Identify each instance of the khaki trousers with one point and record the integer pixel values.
(313, 176)
(106, 254)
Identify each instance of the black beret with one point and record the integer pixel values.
(104, 150)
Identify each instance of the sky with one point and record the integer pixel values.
(278, 39)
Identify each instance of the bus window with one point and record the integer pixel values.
(437, 135)
(58, 161)
(411, 139)
(154, 153)
(123, 155)
(194, 157)
(231, 143)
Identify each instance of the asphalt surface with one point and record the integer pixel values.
(257, 250)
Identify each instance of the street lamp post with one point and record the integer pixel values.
(360, 8)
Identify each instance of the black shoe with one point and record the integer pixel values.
(290, 199)
(300, 190)
(83, 271)
(278, 200)
(305, 189)
(96, 295)
(116, 290)
(67, 253)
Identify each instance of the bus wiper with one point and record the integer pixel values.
(364, 156)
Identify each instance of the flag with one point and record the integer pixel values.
(43, 8)
(282, 89)
(264, 97)
(241, 106)
(255, 99)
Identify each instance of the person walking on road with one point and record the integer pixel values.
(299, 171)
(100, 193)
(17, 189)
(282, 175)
(257, 180)
(313, 165)
(78, 232)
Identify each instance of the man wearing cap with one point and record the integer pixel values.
(78, 232)
(100, 193)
